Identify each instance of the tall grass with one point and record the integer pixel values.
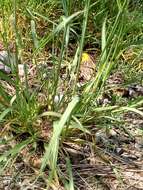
(20, 110)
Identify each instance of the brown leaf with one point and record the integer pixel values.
(87, 67)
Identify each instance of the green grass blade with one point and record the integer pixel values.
(4, 113)
(84, 26)
(70, 185)
(51, 154)
(135, 110)
(14, 151)
(34, 35)
(59, 28)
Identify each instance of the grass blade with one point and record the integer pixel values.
(4, 113)
(51, 153)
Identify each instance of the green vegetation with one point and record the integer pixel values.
(47, 108)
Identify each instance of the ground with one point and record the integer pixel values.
(71, 95)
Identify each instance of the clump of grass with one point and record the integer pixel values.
(78, 106)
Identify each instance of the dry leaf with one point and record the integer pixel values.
(87, 67)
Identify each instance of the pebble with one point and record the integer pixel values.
(6, 62)
(3, 61)
(58, 98)
(21, 70)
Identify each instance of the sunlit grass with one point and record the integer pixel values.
(78, 107)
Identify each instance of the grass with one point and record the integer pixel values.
(59, 32)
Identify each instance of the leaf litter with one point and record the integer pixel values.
(114, 162)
